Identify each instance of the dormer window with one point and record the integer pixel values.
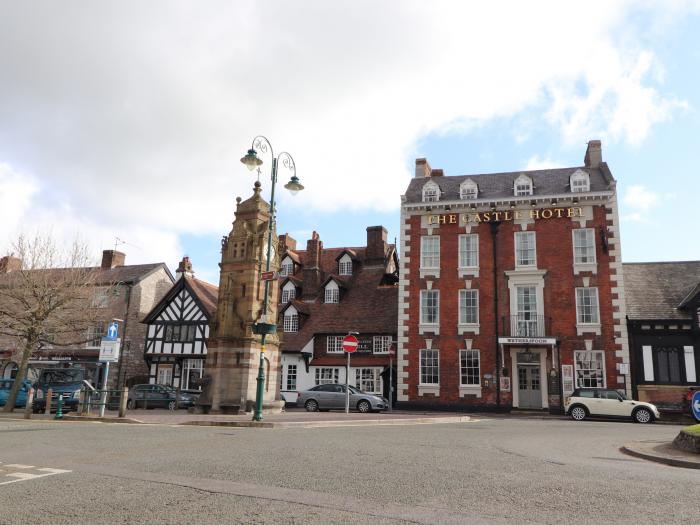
(580, 182)
(522, 186)
(289, 292)
(287, 267)
(291, 320)
(332, 294)
(468, 190)
(431, 192)
(345, 265)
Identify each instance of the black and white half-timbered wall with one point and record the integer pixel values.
(178, 328)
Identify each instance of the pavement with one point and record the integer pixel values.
(662, 452)
(487, 470)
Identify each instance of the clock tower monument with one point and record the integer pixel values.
(233, 351)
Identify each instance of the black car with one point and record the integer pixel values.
(158, 396)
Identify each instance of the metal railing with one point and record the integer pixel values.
(526, 325)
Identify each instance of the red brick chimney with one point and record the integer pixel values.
(10, 263)
(376, 245)
(594, 154)
(287, 242)
(422, 168)
(184, 268)
(112, 259)
(312, 267)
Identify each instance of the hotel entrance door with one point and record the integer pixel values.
(529, 386)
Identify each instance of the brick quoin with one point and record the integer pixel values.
(554, 256)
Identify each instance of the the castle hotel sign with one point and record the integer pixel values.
(509, 215)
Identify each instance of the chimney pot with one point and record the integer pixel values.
(112, 259)
(422, 168)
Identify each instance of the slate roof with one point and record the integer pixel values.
(499, 186)
(656, 290)
(129, 274)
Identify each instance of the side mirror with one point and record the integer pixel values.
(620, 399)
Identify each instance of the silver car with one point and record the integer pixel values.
(332, 397)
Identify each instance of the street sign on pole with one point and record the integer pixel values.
(350, 343)
(109, 350)
(268, 276)
(695, 405)
(112, 331)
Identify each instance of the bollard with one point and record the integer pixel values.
(81, 402)
(177, 398)
(59, 407)
(122, 402)
(28, 404)
(103, 403)
(47, 408)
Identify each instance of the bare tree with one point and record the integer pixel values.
(46, 299)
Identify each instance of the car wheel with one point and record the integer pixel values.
(311, 405)
(578, 413)
(364, 406)
(643, 415)
(129, 404)
(172, 405)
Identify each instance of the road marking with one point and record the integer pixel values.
(27, 474)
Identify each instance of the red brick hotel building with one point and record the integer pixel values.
(510, 291)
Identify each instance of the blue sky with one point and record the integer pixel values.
(127, 120)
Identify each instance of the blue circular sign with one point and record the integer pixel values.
(695, 405)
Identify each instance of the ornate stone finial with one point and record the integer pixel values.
(256, 187)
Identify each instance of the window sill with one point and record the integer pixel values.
(428, 389)
(468, 271)
(429, 328)
(587, 328)
(585, 267)
(429, 272)
(474, 328)
(470, 390)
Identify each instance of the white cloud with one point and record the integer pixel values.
(132, 116)
(639, 202)
(537, 163)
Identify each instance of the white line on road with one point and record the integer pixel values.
(40, 472)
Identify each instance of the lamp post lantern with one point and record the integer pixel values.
(264, 327)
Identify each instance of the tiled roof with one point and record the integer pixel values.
(207, 293)
(329, 256)
(655, 290)
(130, 274)
(499, 186)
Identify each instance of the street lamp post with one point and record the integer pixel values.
(264, 327)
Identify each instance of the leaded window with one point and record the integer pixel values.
(291, 377)
(326, 376)
(291, 322)
(289, 292)
(334, 344)
(381, 344)
(367, 380)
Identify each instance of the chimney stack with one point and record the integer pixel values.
(376, 245)
(312, 267)
(184, 268)
(112, 259)
(287, 242)
(594, 154)
(10, 263)
(422, 168)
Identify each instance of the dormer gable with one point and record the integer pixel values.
(522, 186)
(345, 262)
(431, 192)
(579, 181)
(468, 190)
(287, 266)
(289, 291)
(331, 292)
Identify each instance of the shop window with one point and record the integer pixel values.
(326, 376)
(668, 365)
(367, 380)
(590, 369)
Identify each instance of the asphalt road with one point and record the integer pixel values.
(488, 471)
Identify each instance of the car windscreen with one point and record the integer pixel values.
(354, 390)
(68, 375)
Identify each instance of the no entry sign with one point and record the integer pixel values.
(350, 343)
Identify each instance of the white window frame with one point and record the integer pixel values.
(585, 382)
(519, 250)
(465, 354)
(334, 344)
(584, 252)
(94, 335)
(326, 375)
(430, 252)
(423, 295)
(468, 190)
(577, 177)
(381, 344)
(100, 299)
(289, 292)
(580, 315)
(523, 186)
(468, 250)
(429, 357)
(463, 306)
(291, 379)
(331, 294)
(291, 321)
(345, 265)
(431, 192)
(367, 376)
(287, 267)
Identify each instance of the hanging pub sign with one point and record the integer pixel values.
(509, 215)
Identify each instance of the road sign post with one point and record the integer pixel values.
(350, 343)
(695, 405)
(391, 379)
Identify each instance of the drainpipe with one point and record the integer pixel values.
(494, 233)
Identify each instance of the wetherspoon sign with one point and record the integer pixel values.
(510, 215)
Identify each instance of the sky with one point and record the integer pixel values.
(126, 119)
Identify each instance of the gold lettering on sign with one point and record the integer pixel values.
(477, 217)
(518, 215)
(559, 212)
(515, 215)
(507, 216)
(453, 219)
(547, 214)
(442, 219)
(534, 214)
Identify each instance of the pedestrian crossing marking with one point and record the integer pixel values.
(26, 473)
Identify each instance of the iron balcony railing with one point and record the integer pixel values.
(526, 325)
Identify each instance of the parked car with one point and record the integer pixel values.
(66, 382)
(6, 386)
(332, 396)
(158, 396)
(603, 402)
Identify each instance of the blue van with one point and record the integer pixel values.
(6, 386)
(62, 381)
